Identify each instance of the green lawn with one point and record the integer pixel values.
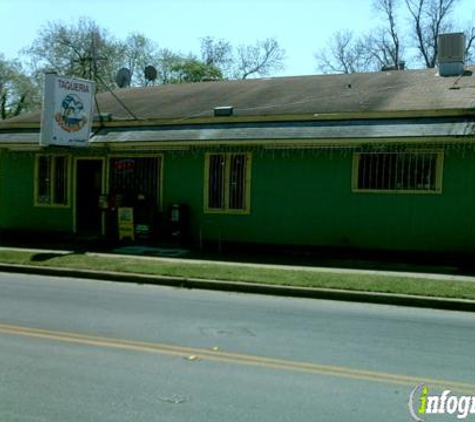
(236, 272)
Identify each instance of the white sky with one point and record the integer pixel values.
(300, 26)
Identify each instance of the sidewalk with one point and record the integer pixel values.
(118, 254)
(249, 287)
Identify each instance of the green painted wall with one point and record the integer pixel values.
(183, 175)
(17, 210)
(305, 197)
(297, 197)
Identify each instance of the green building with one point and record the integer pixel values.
(382, 160)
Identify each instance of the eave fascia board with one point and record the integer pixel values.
(183, 121)
(396, 114)
(272, 143)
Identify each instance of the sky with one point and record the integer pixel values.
(300, 26)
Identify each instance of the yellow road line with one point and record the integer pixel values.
(236, 358)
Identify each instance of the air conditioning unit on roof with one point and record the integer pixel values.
(451, 54)
(451, 47)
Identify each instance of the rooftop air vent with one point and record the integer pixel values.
(223, 111)
(451, 54)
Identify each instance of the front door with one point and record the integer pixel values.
(134, 182)
(88, 191)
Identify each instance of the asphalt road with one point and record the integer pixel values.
(78, 350)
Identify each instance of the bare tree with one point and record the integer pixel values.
(83, 50)
(429, 19)
(384, 43)
(344, 53)
(384, 47)
(262, 58)
(470, 44)
(217, 53)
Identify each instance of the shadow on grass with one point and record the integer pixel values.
(46, 256)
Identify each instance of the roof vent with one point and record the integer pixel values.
(451, 54)
(223, 111)
(103, 117)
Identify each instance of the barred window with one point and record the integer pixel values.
(133, 176)
(227, 186)
(398, 171)
(237, 181)
(52, 180)
(217, 165)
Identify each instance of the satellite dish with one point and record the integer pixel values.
(150, 73)
(123, 77)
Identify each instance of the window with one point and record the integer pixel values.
(52, 180)
(227, 182)
(133, 177)
(398, 171)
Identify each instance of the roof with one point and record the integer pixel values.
(290, 132)
(392, 91)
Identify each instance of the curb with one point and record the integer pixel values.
(248, 287)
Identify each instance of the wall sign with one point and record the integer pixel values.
(67, 111)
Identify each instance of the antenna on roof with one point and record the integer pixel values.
(150, 74)
(123, 78)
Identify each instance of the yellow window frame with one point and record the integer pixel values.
(226, 186)
(439, 170)
(52, 177)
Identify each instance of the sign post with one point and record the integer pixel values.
(67, 111)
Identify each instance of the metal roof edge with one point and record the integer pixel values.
(395, 114)
(264, 143)
(283, 143)
(183, 121)
(5, 125)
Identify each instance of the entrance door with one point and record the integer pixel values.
(134, 181)
(88, 190)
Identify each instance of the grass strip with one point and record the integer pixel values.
(291, 277)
